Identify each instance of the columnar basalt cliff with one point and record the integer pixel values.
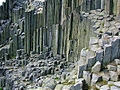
(60, 44)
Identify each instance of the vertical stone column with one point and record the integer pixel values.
(60, 40)
(88, 5)
(41, 39)
(44, 36)
(55, 39)
(25, 30)
(34, 40)
(29, 29)
(50, 37)
(102, 4)
(118, 8)
(92, 4)
(109, 6)
(97, 4)
(37, 40)
(67, 42)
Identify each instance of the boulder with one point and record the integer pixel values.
(80, 70)
(114, 88)
(87, 76)
(93, 40)
(95, 79)
(107, 54)
(117, 84)
(79, 84)
(117, 61)
(68, 87)
(51, 84)
(113, 76)
(104, 87)
(118, 69)
(97, 67)
(84, 52)
(106, 77)
(111, 68)
(59, 87)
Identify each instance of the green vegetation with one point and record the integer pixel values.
(1, 88)
(111, 85)
(89, 69)
(13, 57)
(68, 83)
(100, 31)
(57, 78)
(103, 24)
(103, 83)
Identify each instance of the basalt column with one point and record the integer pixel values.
(29, 29)
(55, 29)
(118, 8)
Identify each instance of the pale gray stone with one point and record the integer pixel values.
(84, 52)
(79, 84)
(117, 61)
(118, 69)
(50, 84)
(97, 67)
(68, 87)
(114, 88)
(93, 40)
(95, 78)
(112, 68)
(106, 77)
(104, 87)
(87, 77)
(59, 87)
(117, 84)
(113, 76)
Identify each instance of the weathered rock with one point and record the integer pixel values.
(107, 54)
(118, 69)
(97, 67)
(50, 84)
(113, 76)
(87, 77)
(117, 61)
(59, 87)
(104, 87)
(112, 68)
(114, 88)
(80, 70)
(79, 84)
(117, 84)
(93, 40)
(68, 87)
(106, 77)
(95, 79)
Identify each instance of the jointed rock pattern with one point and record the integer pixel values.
(60, 45)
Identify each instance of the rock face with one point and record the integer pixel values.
(51, 44)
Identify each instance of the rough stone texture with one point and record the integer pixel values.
(97, 67)
(114, 88)
(118, 69)
(104, 87)
(113, 76)
(95, 78)
(111, 68)
(87, 77)
(57, 39)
